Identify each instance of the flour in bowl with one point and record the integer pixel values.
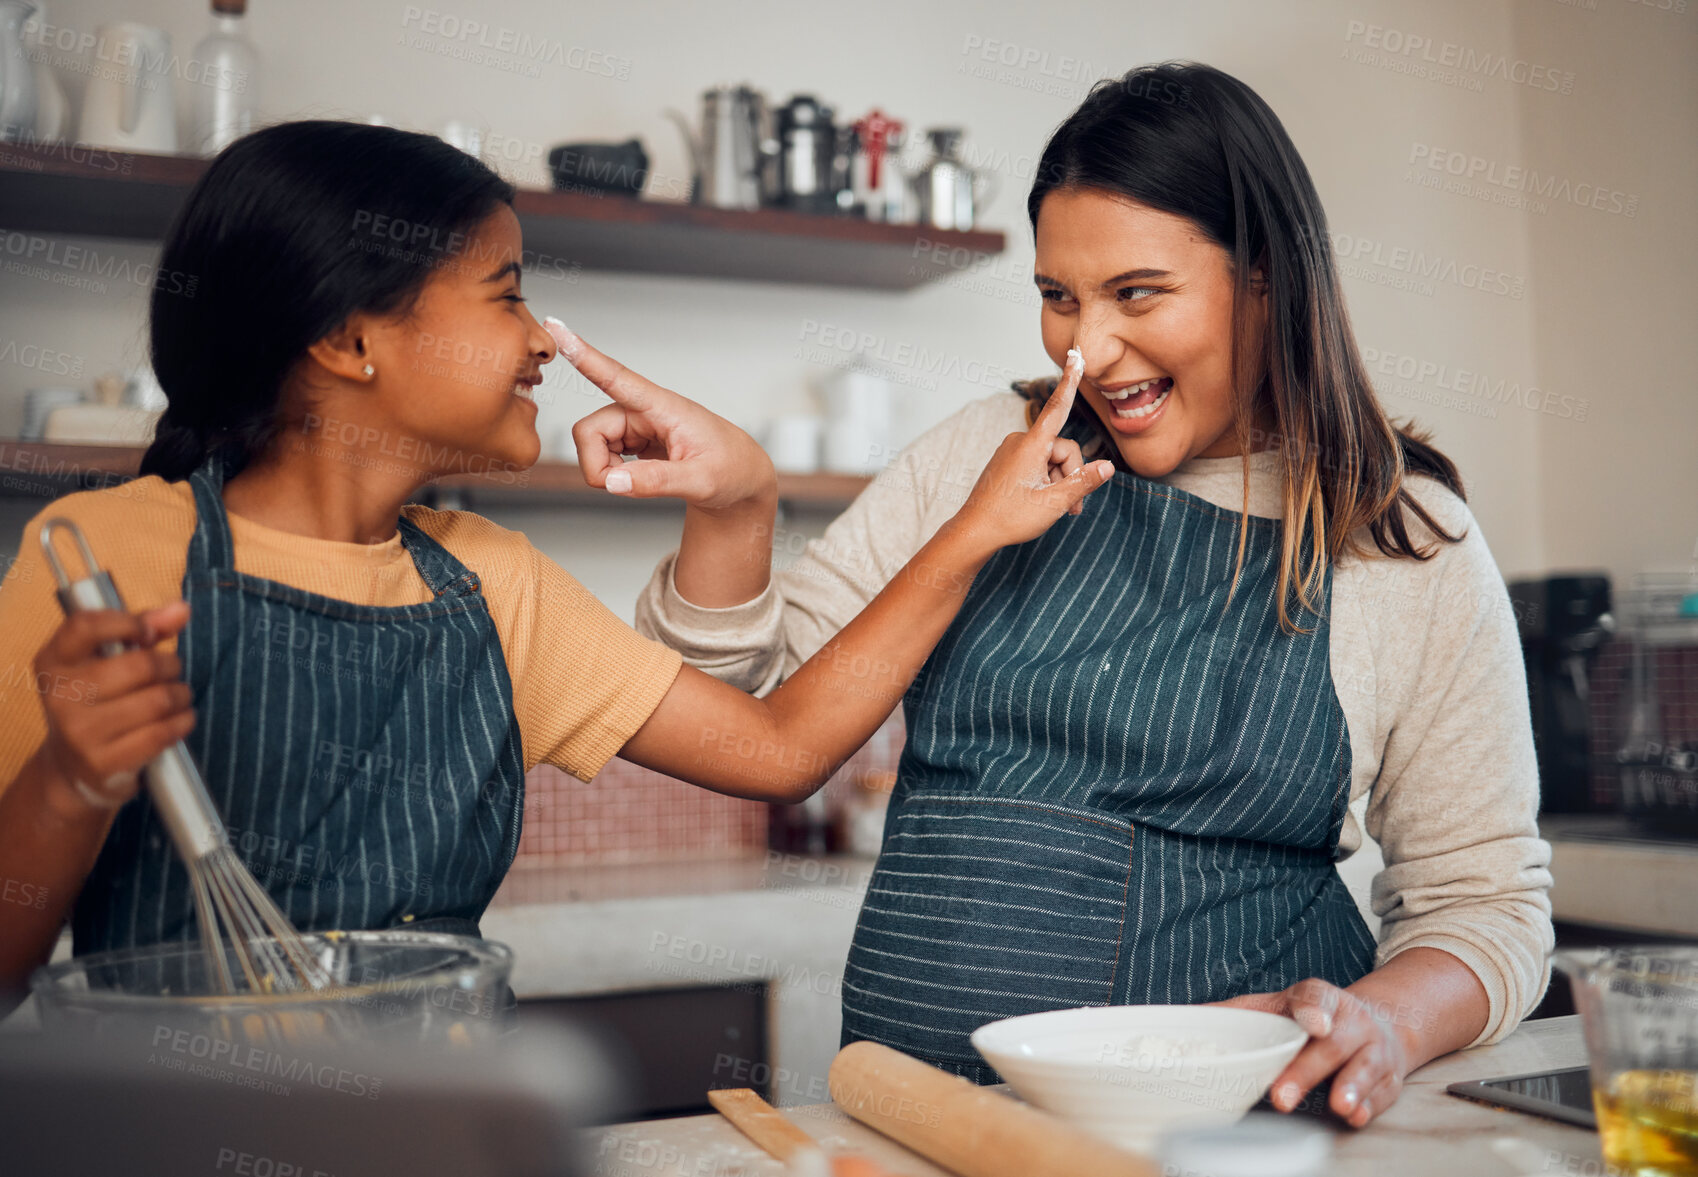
(1148, 1050)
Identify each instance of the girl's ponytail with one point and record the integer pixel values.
(177, 451)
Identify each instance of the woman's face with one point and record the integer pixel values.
(1147, 298)
(467, 360)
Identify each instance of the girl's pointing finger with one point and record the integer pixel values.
(1049, 422)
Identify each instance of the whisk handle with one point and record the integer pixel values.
(183, 803)
(172, 778)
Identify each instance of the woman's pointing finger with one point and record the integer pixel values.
(626, 387)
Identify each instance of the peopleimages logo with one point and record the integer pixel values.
(514, 50)
(1433, 267)
(83, 52)
(69, 264)
(1028, 57)
(1477, 389)
(1469, 170)
(1450, 55)
(225, 1059)
(41, 359)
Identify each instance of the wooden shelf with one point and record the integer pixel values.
(563, 482)
(31, 469)
(61, 188)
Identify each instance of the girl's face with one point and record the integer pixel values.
(1147, 298)
(467, 360)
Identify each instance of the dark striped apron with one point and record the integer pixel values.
(1120, 786)
(366, 759)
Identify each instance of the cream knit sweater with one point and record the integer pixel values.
(1425, 661)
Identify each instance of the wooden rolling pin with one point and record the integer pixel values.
(967, 1129)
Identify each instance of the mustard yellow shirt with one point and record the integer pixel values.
(583, 681)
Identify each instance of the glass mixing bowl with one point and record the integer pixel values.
(392, 986)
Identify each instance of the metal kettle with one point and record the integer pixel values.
(728, 156)
(951, 192)
(808, 179)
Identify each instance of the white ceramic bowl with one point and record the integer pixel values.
(1129, 1073)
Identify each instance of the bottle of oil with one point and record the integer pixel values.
(226, 96)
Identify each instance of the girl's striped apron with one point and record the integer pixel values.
(1119, 787)
(366, 759)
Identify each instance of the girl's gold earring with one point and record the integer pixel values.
(369, 370)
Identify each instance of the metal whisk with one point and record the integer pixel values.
(229, 902)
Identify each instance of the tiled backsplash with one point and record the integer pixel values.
(629, 814)
(1671, 712)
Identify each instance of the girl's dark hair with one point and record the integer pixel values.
(1190, 140)
(291, 230)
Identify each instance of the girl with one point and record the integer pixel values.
(364, 681)
(1130, 761)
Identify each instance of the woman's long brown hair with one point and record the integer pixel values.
(1190, 140)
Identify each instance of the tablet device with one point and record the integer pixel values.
(1564, 1095)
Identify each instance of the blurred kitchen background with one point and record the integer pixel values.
(1541, 329)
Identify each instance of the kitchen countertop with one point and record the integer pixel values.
(782, 921)
(527, 885)
(587, 930)
(1607, 873)
(1427, 1132)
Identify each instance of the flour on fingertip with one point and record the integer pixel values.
(564, 337)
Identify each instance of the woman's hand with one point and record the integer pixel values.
(1357, 1044)
(1035, 477)
(1421, 1004)
(108, 716)
(682, 450)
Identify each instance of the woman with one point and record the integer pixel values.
(364, 681)
(1130, 760)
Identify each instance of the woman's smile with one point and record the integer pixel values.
(1135, 407)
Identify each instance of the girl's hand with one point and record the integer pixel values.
(108, 716)
(1348, 1040)
(1034, 477)
(682, 450)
